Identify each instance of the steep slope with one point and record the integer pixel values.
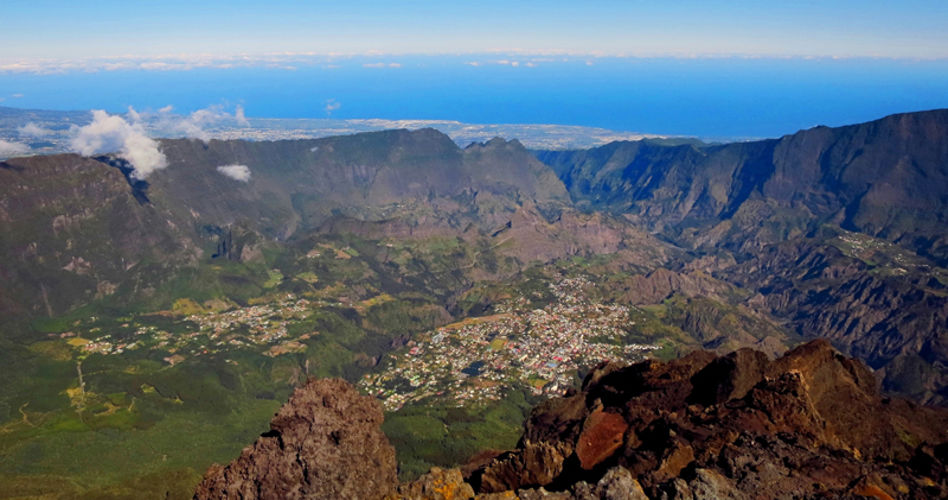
(895, 322)
(73, 231)
(77, 229)
(885, 178)
(325, 442)
(367, 176)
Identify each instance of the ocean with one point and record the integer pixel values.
(714, 98)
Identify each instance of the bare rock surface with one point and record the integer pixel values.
(326, 442)
(809, 424)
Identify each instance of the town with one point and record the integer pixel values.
(480, 359)
(539, 350)
(213, 332)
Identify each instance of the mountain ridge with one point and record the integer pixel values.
(714, 182)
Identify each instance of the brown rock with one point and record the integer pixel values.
(502, 495)
(534, 464)
(601, 437)
(438, 484)
(729, 377)
(809, 424)
(326, 442)
(618, 484)
(680, 455)
(710, 484)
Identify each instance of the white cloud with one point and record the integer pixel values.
(16, 96)
(293, 60)
(135, 117)
(33, 130)
(8, 149)
(194, 125)
(237, 172)
(177, 62)
(112, 134)
(332, 105)
(240, 117)
(382, 65)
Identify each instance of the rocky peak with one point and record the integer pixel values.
(326, 442)
(809, 423)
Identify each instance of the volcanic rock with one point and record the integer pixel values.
(810, 424)
(438, 484)
(326, 442)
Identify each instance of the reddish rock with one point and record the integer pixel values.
(601, 437)
(810, 424)
(533, 464)
(729, 377)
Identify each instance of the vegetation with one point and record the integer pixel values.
(134, 408)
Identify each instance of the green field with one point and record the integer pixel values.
(189, 376)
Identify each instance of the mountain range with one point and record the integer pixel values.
(838, 233)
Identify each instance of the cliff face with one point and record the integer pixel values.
(894, 323)
(298, 185)
(885, 178)
(73, 231)
(326, 442)
(809, 424)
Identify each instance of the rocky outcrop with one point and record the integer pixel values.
(326, 442)
(811, 423)
(884, 178)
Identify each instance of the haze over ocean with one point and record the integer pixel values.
(707, 97)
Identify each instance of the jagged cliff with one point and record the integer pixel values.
(885, 178)
(810, 424)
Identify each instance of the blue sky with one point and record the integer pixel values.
(841, 28)
(713, 69)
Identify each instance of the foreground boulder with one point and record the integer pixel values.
(810, 424)
(326, 442)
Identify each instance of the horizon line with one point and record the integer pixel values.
(284, 60)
